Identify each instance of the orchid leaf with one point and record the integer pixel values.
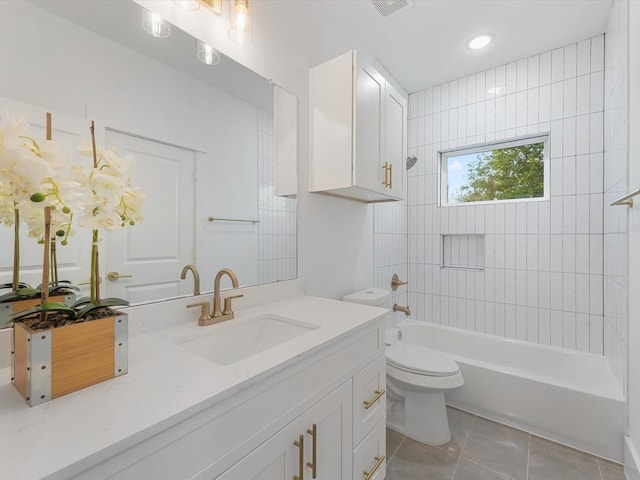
(81, 301)
(66, 285)
(10, 285)
(56, 289)
(28, 291)
(46, 307)
(9, 297)
(103, 303)
(20, 294)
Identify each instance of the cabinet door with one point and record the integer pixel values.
(369, 457)
(395, 139)
(329, 421)
(368, 164)
(276, 459)
(369, 398)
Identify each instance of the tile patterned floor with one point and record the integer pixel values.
(484, 450)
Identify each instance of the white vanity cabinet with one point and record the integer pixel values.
(265, 430)
(358, 131)
(316, 445)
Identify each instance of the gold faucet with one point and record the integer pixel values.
(225, 313)
(405, 310)
(219, 314)
(196, 278)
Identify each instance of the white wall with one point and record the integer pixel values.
(633, 344)
(543, 279)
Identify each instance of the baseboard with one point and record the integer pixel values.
(631, 460)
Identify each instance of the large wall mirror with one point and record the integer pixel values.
(202, 137)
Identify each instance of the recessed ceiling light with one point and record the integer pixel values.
(480, 41)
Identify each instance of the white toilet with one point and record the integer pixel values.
(417, 378)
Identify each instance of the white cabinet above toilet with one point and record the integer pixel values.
(358, 131)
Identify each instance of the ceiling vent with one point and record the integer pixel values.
(389, 7)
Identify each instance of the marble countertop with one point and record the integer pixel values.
(165, 384)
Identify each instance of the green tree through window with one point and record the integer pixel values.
(504, 174)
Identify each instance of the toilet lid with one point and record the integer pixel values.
(421, 360)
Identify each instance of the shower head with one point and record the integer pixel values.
(411, 161)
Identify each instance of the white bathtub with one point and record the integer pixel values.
(569, 397)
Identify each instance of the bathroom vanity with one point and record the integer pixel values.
(289, 388)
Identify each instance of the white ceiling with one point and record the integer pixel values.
(424, 44)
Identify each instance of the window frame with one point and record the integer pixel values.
(444, 156)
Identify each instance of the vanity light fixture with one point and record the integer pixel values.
(188, 5)
(207, 54)
(240, 21)
(155, 25)
(214, 5)
(480, 41)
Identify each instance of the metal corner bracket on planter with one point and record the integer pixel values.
(48, 364)
(8, 309)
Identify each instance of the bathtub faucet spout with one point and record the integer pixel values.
(405, 310)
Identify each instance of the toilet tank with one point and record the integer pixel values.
(377, 297)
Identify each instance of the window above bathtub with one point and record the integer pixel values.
(515, 170)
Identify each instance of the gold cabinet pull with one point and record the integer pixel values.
(372, 472)
(386, 172)
(300, 444)
(313, 464)
(391, 175)
(370, 403)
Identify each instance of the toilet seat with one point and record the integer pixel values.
(420, 360)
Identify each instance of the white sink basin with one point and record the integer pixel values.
(238, 339)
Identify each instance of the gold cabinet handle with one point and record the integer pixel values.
(370, 403)
(368, 475)
(115, 276)
(300, 444)
(387, 171)
(391, 175)
(314, 463)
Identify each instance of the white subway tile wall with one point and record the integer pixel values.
(392, 251)
(463, 251)
(543, 266)
(615, 103)
(277, 244)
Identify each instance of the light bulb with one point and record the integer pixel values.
(240, 20)
(155, 25)
(480, 41)
(207, 54)
(188, 5)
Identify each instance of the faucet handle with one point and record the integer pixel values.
(226, 310)
(205, 314)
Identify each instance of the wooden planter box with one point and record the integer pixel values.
(7, 310)
(50, 363)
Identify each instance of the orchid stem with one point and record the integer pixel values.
(95, 271)
(16, 250)
(47, 253)
(95, 278)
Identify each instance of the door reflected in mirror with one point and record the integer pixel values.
(202, 137)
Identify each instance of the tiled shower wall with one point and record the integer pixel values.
(277, 228)
(543, 275)
(390, 237)
(616, 185)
